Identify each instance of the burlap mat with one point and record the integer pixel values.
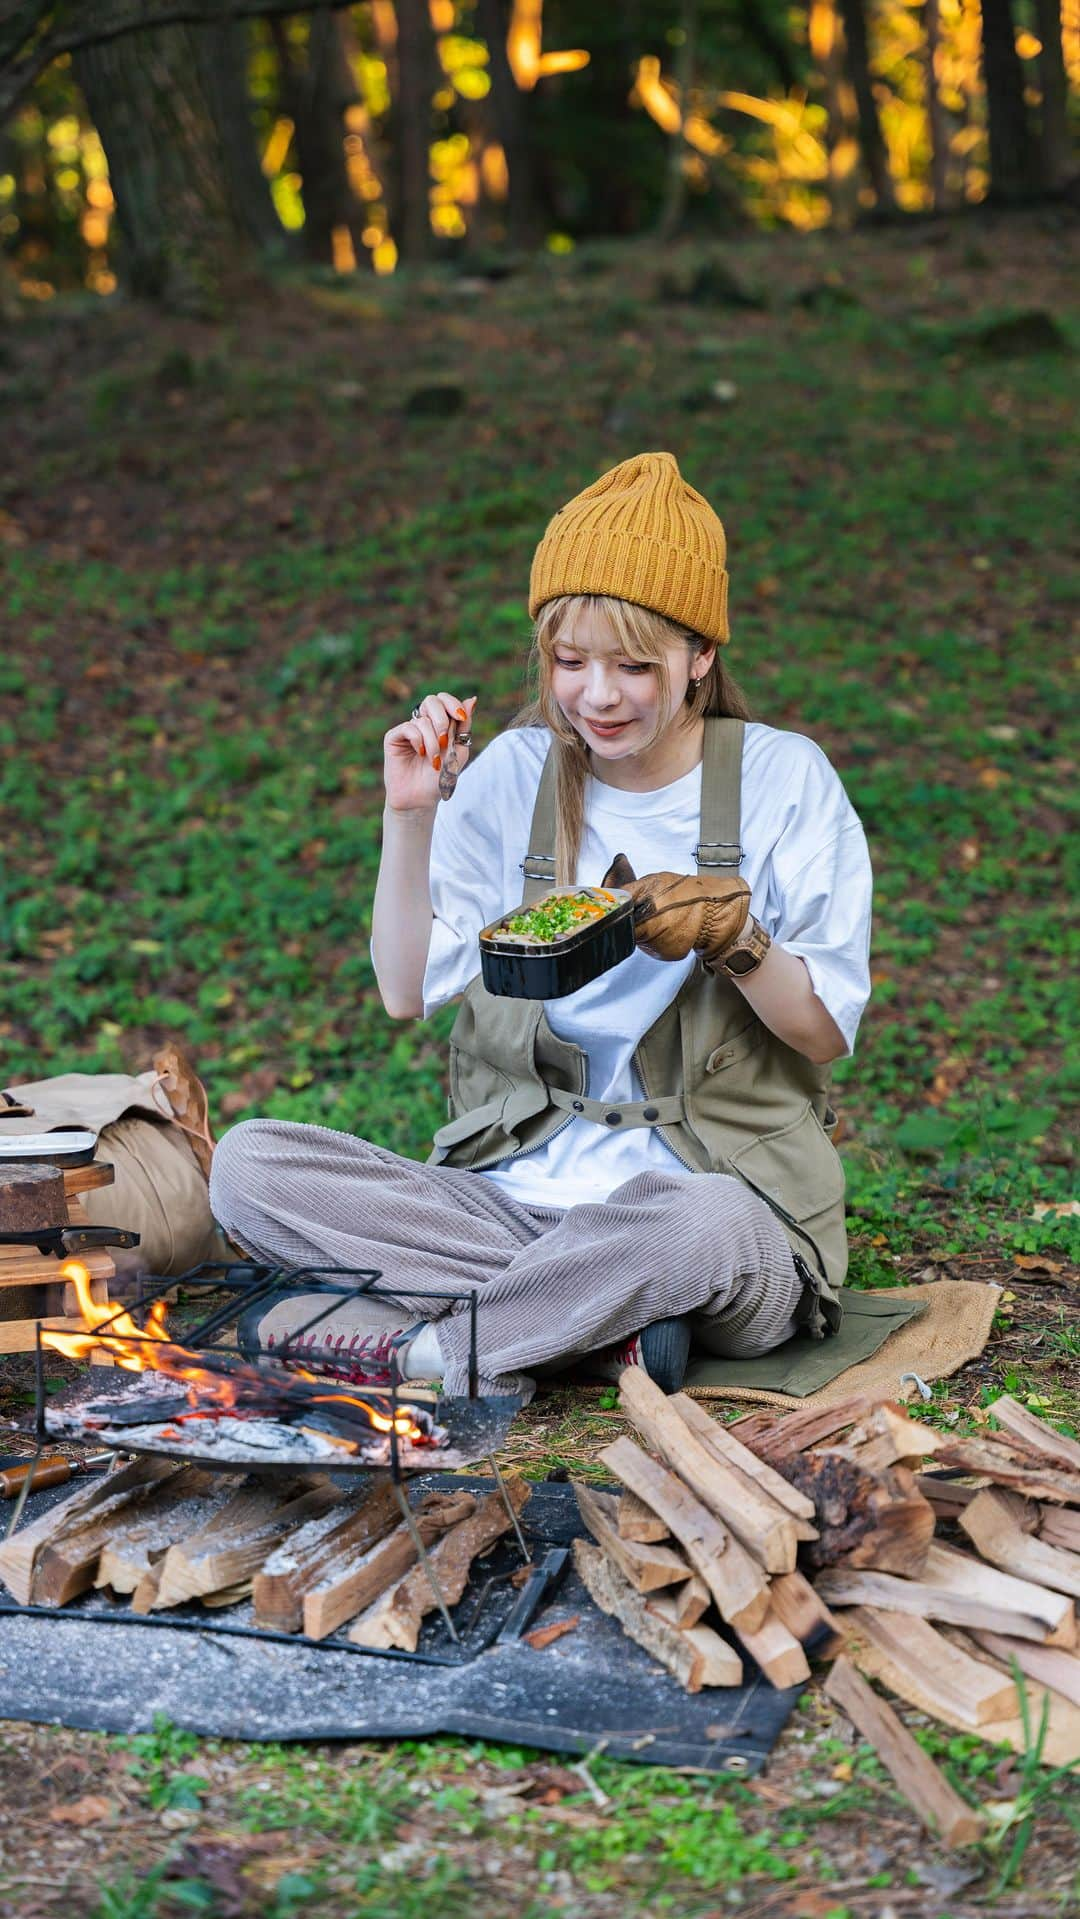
(950, 1325)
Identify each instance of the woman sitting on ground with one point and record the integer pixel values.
(643, 1165)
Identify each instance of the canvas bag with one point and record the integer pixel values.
(159, 1190)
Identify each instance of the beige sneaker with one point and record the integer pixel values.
(359, 1339)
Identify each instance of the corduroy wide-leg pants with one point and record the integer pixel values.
(550, 1287)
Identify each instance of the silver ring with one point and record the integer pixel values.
(464, 739)
(416, 713)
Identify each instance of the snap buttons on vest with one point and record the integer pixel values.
(579, 1106)
(613, 1119)
(650, 1112)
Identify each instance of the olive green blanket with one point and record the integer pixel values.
(928, 1330)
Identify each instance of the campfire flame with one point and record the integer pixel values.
(149, 1348)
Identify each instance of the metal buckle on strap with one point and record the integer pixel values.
(721, 851)
(533, 860)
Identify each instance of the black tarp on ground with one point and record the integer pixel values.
(591, 1688)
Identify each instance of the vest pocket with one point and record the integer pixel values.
(738, 1047)
(797, 1166)
(474, 1082)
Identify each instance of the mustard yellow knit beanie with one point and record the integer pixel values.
(639, 533)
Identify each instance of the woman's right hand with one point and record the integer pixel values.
(413, 752)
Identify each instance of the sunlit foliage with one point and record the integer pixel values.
(788, 152)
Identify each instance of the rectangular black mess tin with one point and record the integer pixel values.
(560, 966)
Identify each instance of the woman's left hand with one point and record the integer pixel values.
(680, 913)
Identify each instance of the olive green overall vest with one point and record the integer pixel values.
(725, 1094)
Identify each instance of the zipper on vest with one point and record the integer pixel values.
(479, 1166)
(782, 1213)
(673, 1150)
(504, 1159)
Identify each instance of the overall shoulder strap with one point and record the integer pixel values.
(720, 848)
(538, 865)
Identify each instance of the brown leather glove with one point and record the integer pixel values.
(679, 913)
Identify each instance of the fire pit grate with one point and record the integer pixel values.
(258, 1414)
(208, 1381)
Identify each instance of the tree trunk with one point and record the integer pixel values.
(826, 35)
(315, 94)
(874, 153)
(939, 135)
(1055, 151)
(412, 128)
(222, 65)
(675, 184)
(180, 235)
(758, 28)
(510, 113)
(1012, 171)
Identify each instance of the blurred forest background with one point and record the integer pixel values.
(172, 144)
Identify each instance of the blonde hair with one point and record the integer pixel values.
(644, 636)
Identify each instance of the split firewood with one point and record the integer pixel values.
(798, 1607)
(1062, 1742)
(145, 1593)
(974, 1691)
(183, 1505)
(396, 1618)
(293, 1568)
(888, 1437)
(998, 1533)
(726, 1447)
(1020, 1424)
(962, 1591)
(947, 1496)
(645, 1567)
(926, 1789)
(695, 1660)
(32, 1198)
(684, 1605)
(776, 1651)
(637, 1523)
(863, 1518)
(722, 1662)
(736, 1581)
(20, 1553)
(231, 1548)
(779, 1439)
(1007, 1465)
(349, 1586)
(1057, 1526)
(765, 1529)
(1052, 1666)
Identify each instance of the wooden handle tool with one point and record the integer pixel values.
(51, 1471)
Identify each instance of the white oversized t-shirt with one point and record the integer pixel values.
(805, 861)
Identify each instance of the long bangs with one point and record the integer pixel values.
(642, 636)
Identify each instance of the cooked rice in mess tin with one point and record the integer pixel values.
(553, 918)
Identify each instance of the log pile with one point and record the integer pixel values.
(33, 1197)
(707, 1526)
(747, 1537)
(308, 1557)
